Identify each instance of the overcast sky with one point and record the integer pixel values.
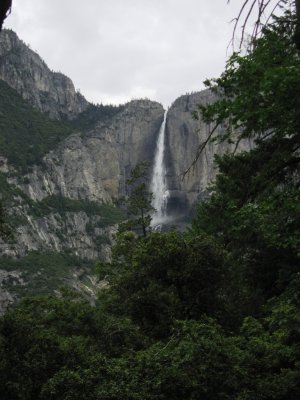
(117, 50)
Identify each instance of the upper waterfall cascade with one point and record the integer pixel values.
(158, 184)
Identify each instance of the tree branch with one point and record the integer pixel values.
(262, 7)
(200, 149)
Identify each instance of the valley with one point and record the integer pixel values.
(65, 162)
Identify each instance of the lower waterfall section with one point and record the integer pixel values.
(158, 183)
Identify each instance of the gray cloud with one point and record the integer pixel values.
(115, 50)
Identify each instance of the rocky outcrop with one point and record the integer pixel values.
(73, 232)
(87, 167)
(94, 166)
(25, 71)
(8, 278)
(184, 135)
(15, 283)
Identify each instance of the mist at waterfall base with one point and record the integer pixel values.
(167, 214)
(158, 185)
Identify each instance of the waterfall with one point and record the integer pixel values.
(158, 183)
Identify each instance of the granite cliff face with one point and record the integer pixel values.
(65, 203)
(25, 71)
(90, 167)
(94, 165)
(184, 134)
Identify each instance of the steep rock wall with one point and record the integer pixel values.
(184, 134)
(95, 165)
(25, 71)
(87, 167)
(87, 171)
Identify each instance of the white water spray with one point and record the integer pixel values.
(158, 184)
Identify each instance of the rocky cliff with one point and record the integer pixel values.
(66, 203)
(62, 200)
(94, 165)
(86, 168)
(184, 135)
(63, 203)
(27, 73)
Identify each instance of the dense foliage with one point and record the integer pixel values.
(254, 208)
(95, 113)
(27, 134)
(213, 313)
(108, 213)
(138, 202)
(43, 273)
(4, 228)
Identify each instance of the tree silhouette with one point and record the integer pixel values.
(138, 203)
(264, 10)
(5, 8)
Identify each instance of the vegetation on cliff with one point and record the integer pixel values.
(213, 313)
(138, 201)
(27, 134)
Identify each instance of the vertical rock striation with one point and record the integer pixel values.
(25, 71)
(85, 167)
(184, 134)
(94, 165)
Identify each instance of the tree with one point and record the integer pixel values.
(5, 229)
(259, 94)
(5, 7)
(254, 207)
(139, 200)
(265, 10)
(164, 277)
(297, 34)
